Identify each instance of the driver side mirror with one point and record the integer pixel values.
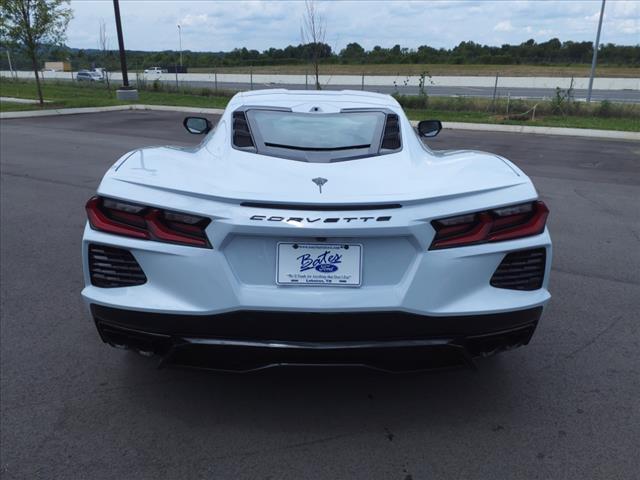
(197, 125)
(429, 128)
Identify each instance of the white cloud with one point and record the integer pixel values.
(544, 32)
(503, 26)
(629, 26)
(215, 26)
(190, 20)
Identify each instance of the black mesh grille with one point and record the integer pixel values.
(241, 133)
(113, 267)
(391, 138)
(523, 270)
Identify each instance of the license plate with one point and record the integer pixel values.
(319, 264)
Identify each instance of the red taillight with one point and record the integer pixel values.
(139, 221)
(496, 225)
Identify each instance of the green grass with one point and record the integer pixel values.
(63, 95)
(603, 115)
(611, 123)
(579, 70)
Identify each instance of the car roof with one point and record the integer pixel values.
(290, 98)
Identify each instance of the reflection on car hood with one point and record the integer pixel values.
(232, 175)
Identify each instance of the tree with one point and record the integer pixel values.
(313, 33)
(103, 45)
(32, 23)
(353, 52)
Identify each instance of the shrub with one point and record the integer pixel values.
(604, 109)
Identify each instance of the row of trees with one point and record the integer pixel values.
(552, 52)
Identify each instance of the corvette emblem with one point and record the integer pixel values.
(319, 181)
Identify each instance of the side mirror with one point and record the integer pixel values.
(197, 125)
(429, 128)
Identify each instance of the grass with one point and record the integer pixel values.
(436, 69)
(604, 115)
(611, 123)
(73, 95)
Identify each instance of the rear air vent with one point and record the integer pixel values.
(391, 138)
(523, 270)
(241, 133)
(113, 267)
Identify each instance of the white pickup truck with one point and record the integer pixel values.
(155, 70)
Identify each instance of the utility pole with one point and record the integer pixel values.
(126, 92)
(594, 61)
(180, 39)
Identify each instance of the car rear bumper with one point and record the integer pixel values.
(253, 340)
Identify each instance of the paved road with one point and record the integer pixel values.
(567, 406)
(623, 96)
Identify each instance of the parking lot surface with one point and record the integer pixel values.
(566, 406)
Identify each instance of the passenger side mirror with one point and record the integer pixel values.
(429, 128)
(197, 125)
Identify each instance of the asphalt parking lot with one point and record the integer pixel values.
(566, 406)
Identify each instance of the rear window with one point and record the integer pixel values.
(318, 131)
(314, 136)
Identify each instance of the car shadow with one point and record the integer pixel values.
(324, 400)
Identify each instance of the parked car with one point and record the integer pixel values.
(157, 70)
(315, 228)
(87, 76)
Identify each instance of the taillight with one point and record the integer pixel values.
(506, 223)
(148, 223)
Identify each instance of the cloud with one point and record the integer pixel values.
(503, 26)
(215, 26)
(628, 26)
(190, 20)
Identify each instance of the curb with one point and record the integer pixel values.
(113, 108)
(562, 131)
(62, 111)
(171, 108)
(484, 127)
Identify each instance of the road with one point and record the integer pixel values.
(621, 96)
(566, 406)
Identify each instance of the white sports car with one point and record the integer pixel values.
(315, 228)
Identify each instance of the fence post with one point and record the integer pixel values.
(215, 76)
(10, 66)
(362, 87)
(251, 77)
(495, 89)
(508, 101)
(306, 80)
(176, 67)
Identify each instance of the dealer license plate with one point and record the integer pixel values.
(319, 264)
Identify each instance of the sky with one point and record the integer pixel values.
(224, 25)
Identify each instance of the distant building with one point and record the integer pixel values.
(57, 66)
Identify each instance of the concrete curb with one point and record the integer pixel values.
(569, 132)
(114, 108)
(485, 127)
(62, 111)
(170, 108)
